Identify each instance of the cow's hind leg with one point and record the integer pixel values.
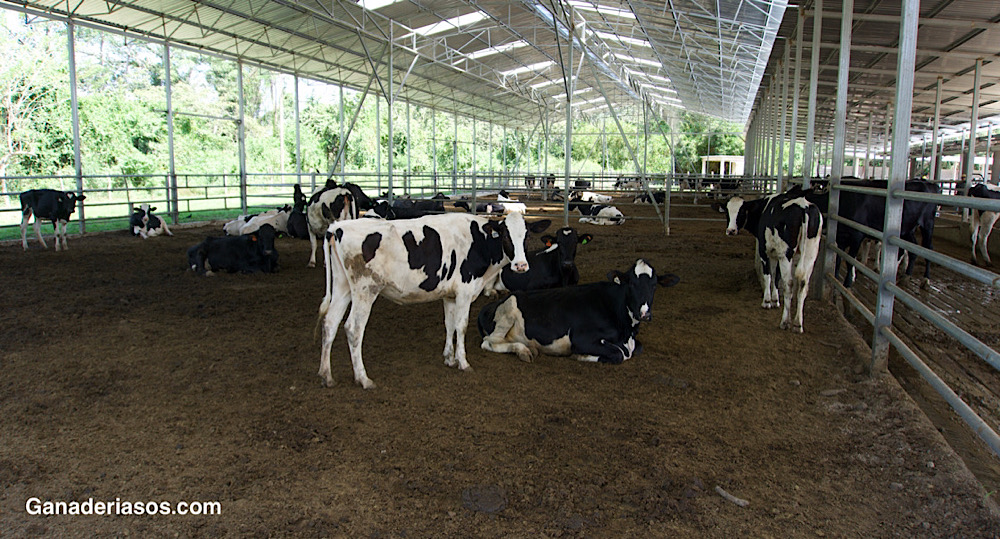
(508, 330)
(38, 233)
(361, 308)
(26, 216)
(988, 219)
(339, 302)
(312, 250)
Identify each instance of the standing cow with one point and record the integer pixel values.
(590, 322)
(982, 222)
(450, 257)
(51, 205)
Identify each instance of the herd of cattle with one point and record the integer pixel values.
(414, 251)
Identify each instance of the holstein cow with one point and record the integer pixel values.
(659, 197)
(869, 210)
(788, 230)
(982, 222)
(250, 253)
(551, 267)
(147, 225)
(590, 322)
(278, 219)
(51, 205)
(406, 208)
(483, 207)
(450, 257)
(298, 223)
(325, 207)
(598, 214)
(591, 197)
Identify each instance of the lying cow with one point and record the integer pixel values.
(450, 257)
(982, 222)
(598, 214)
(147, 225)
(552, 267)
(659, 197)
(590, 322)
(405, 208)
(788, 229)
(484, 207)
(250, 253)
(278, 219)
(591, 197)
(51, 205)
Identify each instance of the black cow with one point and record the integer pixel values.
(982, 222)
(298, 222)
(405, 208)
(590, 322)
(144, 224)
(51, 205)
(248, 253)
(551, 267)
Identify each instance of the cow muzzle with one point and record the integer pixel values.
(732, 231)
(519, 267)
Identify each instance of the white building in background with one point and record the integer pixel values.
(722, 165)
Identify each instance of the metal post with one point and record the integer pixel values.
(799, 23)
(906, 59)
(389, 100)
(885, 143)
(242, 138)
(454, 157)
(75, 118)
(409, 168)
(839, 133)
(378, 146)
(343, 141)
(171, 165)
(568, 148)
(434, 148)
(784, 118)
(868, 148)
(973, 127)
(807, 157)
(298, 130)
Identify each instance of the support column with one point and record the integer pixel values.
(970, 162)
(800, 20)
(894, 205)
(242, 138)
(171, 165)
(75, 118)
(784, 119)
(807, 158)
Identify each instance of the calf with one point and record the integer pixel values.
(450, 257)
(590, 322)
(51, 205)
(787, 228)
(982, 222)
(250, 253)
(145, 224)
(551, 267)
(598, 214)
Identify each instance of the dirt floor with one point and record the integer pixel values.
(126, 378)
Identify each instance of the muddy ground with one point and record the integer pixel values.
(125, 377)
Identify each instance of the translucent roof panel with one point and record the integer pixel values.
(498, 60)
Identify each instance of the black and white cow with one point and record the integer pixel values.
(51, 205)
(277, 218)
(788, 229)
(598, 214)
(325, 207)
(450, 257)
(250, 253)
(147, 225)
(496, 208)
(590, 322)
(591, 197)
(624, 183)
(869, 210)
(298, 223)
(982, 222)
(659, 197)
(551, 267)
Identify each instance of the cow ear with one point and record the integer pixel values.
(585, 239)
(616, 276)
(492, 228)
(152, 209)
(548, 240)
(668, 280)
(539, 226)
(718, 207)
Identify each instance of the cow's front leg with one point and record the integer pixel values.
(449, 330)
(604, 351)
(461, 320)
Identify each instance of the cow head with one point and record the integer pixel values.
(512, 233)
(565, 242)
(735, 213)
(640, 285)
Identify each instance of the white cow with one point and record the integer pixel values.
(450, 257)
